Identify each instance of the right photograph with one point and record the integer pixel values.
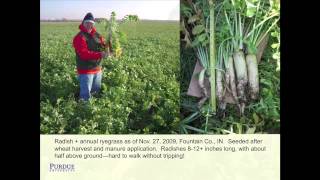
(230, 66)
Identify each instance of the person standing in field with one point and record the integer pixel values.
(90, 49)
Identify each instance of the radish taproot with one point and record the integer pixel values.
(241, 74)
(232, 80)
(253, 75)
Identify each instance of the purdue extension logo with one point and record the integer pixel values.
(61, 167)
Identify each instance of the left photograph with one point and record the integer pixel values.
(109, 67)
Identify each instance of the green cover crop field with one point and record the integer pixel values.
(140, 91)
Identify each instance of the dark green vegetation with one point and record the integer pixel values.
(140, 92)
(240, 26)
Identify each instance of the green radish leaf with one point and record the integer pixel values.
(278, 65)
(274, 34)
(275, 45)
(195, 43)
(265, 82)
(275, 5)
(185, 10)
(255, 118)
(237, 4)
(205, 42)
(251, 10)
(242, 120)
(202, 37)
(198, 29)
(193, 19)
(276, 56)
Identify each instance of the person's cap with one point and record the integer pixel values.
(88, 18)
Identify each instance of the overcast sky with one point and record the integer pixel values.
(76, 9)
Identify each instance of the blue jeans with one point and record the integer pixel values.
(89, 83)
